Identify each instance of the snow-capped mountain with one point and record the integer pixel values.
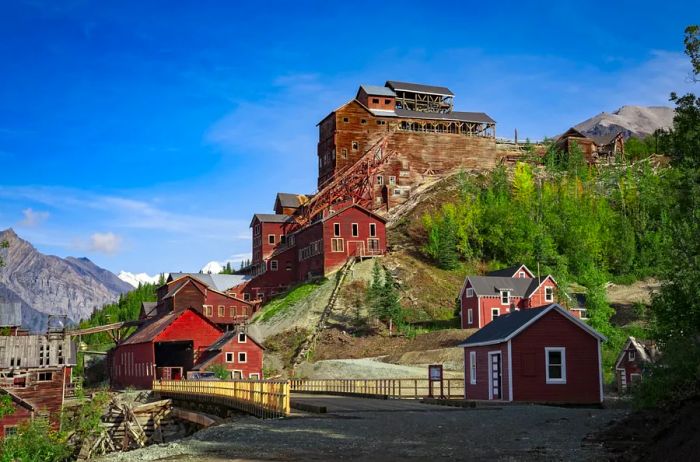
(213, 267)
(140, 278)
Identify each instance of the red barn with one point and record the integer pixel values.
(541, 355)
(632, 362)
(484, 298)
(167, 346)
(240, 353)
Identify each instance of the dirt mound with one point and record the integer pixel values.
(670, 433)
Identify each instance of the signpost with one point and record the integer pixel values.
(435, 375)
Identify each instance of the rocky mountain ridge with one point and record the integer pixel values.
(632, 121)
(48, 285)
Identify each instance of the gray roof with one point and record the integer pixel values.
(219, 282)
(10, 314)
(506, 272)
(376, 90)
(492, 285)
(460, 116)
(149, 308)
(290, 200)
(603, 140)
(271, 218)
(223, 340)
(503, 326)
(418, 88)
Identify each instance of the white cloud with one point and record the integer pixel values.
(33, 218)
(108, 243)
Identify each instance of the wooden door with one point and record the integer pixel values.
(495, 376)
(356, 248)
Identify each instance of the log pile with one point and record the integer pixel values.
(126, 426)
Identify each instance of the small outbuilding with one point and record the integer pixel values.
(542, 354)
(633, 362)
(238, 352)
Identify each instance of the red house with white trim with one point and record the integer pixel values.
(238, 352)
(542, 354)
(484, 298)
(633, 361)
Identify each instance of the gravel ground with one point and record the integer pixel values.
(357, 429)
(366, 368)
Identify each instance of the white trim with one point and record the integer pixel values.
(353, 227)
(490, 379)
(470, 292)
(470, 316)
(622, 378)
(256, 374)
(245, 337)
(550, 299)
(510, 372)
(553, 306)
(500, 296)
(621, 355)
(233, 357)
(555, 381)
(472, 368)
(238, 357)
(631, 355)
(274, 239)
(600, 369)
(233, 372)
(498, 313)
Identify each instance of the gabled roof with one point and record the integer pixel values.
(492, 285)
(271, 218)
(178, 284)
(604, 140)
(349, 206)
(153, 327)
(459, 116)
(149, 309)
(509, 272)
(572, 132)
(376, 90)
(216, 347)
(290, 200)
(418, 88)
(505, 327)
(18, 400)
(218, 282)
(646, 351)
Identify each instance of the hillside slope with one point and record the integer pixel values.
(637, 121)
(49, 285)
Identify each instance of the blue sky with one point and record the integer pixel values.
(144, 135)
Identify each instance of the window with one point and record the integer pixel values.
(222, 310)
(271, 238)
(337, 245)
(233, 311)
(355, 146)
(336, 229)
(237, 375)
(45, 376)
(380, 180)
(549, 294)
(387, 101)
(246, 297)
(555, 363)
(283, 239)
(381, 122)
(397, 192)
(10, 430)
(472, 367)
(273, 265)
(242, 337)
(344, 153)
(631, 355)
(470, 316)
(372, 229)
(373, 245)
(392, 180)
(242, 357)
(208, 310)
(505, 297)
(375, 100)
(363, 121)
(346, 120)
(254, 376)
(495, 312)
(470, 292)
(355, 230)
(521, 274)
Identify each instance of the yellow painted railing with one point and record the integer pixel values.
(262, 398)
(392, 388)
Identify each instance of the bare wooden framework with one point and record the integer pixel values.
(485, 129)
(424, 102)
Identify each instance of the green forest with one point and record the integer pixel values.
(592, 225)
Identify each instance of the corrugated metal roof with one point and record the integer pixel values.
(503, 326)
(376, 90)
(218, 282)
(505, 272)
(492, 285)
(151, 328)
(10, 314)
(289, 200)
(418, 88)
(479, 117)
(149, 308)
(271, 218)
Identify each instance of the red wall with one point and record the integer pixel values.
(467, 304)
(334, 260)
(133, 366)
(21, 414)
(254, 360)
(582, 362)
(480, 390)
(537, 297)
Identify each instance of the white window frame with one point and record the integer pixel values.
(548, 379)
(222, 310)
(470, 292)
(631, 355)
(392, 180)
(507, 292)
(269, 240)
(521, 274)
(472, 367)
(337, 244)
(495, 312)
(549, 298)
(470, 316)
(372, 230)
(254, 376)
(274, 265)
(354, 229)
(380, 180)
(243, 336)
(244, 355)
(336, 233)
(230, 355)
(373, 244)
(209, 310)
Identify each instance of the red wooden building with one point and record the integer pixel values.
(541, 355)
(484, 298)
(633, 362)
(225, 309)
(240, 353)
(314, 250)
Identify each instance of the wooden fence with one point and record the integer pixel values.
(262, 398)
(391, 388)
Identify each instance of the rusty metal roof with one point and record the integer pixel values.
(418, 88)
(460, 116)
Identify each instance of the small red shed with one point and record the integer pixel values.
(633, 361)
(540, 354)
(240, 353)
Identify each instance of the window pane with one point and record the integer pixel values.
(555, 357)
(554, 371)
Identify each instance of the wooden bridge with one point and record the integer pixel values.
(384, 388)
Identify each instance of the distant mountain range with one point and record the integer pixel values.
(139, 278)
(48, 285)
(637, 121)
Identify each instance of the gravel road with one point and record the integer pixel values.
(366, 368)
(395, 430)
